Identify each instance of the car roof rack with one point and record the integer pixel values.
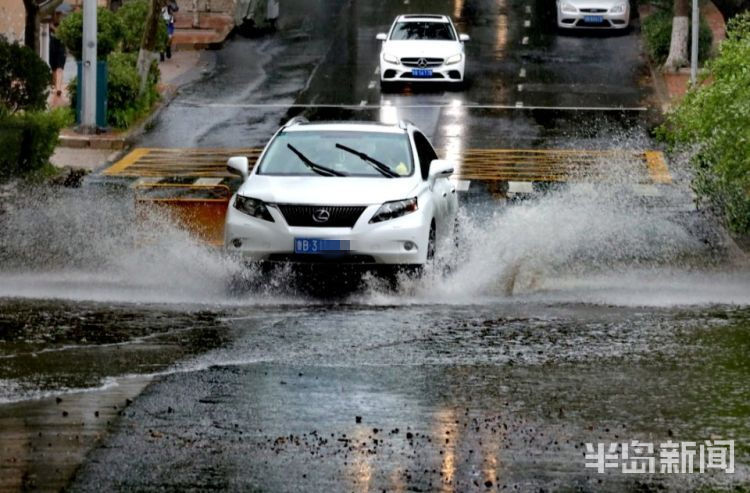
(295, 121)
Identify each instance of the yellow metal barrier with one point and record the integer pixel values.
(473, 164)
(199, 209)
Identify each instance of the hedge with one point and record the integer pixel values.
(28, 140)
(132, 16)
(715, 117)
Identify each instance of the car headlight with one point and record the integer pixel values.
(568, 8)
(452, 60)
(252, 207)
(618, 9)
(390, 58)
(392, 210)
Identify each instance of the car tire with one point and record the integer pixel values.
(431, 243)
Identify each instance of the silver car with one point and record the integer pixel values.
(593, 14)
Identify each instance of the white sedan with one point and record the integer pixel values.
(422, 48)
(342, 193)
(596, 14)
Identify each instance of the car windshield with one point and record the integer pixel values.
(345, 152)
(426, 31)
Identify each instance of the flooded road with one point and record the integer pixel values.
(602, 310)
(563, 321)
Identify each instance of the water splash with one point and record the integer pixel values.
(576, 244)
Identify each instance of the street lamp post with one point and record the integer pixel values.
(694, 46)
(88, 92)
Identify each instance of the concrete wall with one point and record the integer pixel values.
(12, 19)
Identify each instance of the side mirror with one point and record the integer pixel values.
(440, 168)
(464, 37)
(382, 37)
(239, 166)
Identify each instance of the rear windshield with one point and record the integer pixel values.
(321, 148)
(436, 31)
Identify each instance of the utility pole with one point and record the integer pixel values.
(694, 46)
(88, 92)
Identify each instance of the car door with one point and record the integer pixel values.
(440, 189)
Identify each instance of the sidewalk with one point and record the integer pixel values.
(92, 151)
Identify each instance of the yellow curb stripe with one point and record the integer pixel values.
(657, 167)
(127, 161)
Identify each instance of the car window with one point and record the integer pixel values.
(320, 148)
(425, 31)
(425, 152)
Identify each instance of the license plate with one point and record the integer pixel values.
(317, 245)
(421, 72)
(593, 19)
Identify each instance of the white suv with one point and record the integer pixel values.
(342, 193)
(422, 48)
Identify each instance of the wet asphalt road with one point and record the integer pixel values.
(574, 317)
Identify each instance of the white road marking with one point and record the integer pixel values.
(525, 40)
(519, 104)
(527, 9)
(520, 187)
(371, 85)
(406, 2)
(377, 70)
(527, 23)
(208, 181)
(520, 87)
(522, 73)
(199, 104)
(363, 103)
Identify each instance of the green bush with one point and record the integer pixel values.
(124, 105)
(108, 37)
(716, 117)
(28, 140)
(132, 16)
(24, 79)
(657, 35)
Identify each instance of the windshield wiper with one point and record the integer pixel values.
(382, 168)
(319, 169)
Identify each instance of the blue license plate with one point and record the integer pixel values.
(317, 245)
(421, 72)
(593, 19)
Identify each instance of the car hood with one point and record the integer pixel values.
(595, 4)
(436, 49)
(322, 190)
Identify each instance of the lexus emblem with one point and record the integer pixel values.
(422, 62)
(321, 215)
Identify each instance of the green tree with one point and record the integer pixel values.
(108, 37)
(24, 78)
(133, 16)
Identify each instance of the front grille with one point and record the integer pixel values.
(338, 216)
(421, 62)
(594, 11)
